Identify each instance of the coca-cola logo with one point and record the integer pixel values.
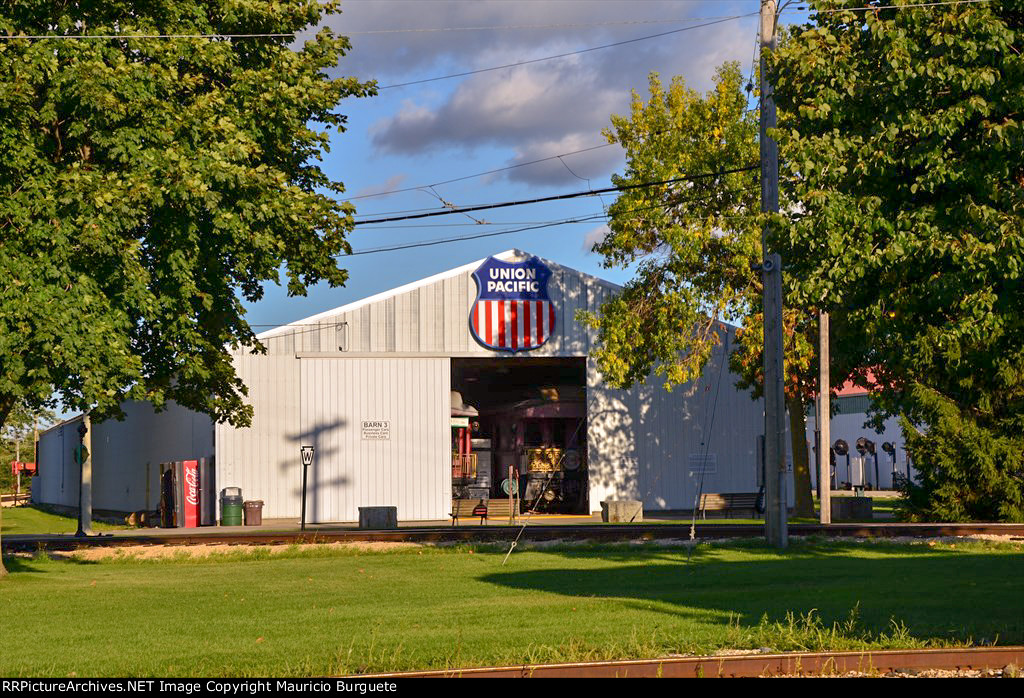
(192, 485)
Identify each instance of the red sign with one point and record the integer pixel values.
(20, 467)
(191, 493)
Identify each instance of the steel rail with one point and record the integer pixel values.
(750, 666)
(608, 533)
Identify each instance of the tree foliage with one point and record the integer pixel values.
(694, 245)
(906, 151)
(149, 185)
(692, 242)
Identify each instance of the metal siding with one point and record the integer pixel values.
(124, 452)
(405, 471)
(263, 459)
(640, 440)
(58, 479)
(435, 318)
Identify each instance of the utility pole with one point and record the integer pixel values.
(824, 424)
(771, 275)
(84, 458)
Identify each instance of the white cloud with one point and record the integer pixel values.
(374, 189)
(537, 110)
(594, 236)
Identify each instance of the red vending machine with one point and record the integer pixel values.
(190, 482)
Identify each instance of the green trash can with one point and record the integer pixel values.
(231, 506)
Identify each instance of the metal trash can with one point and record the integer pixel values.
(254, 512)
(231, 506)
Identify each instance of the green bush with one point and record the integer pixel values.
(969, 468)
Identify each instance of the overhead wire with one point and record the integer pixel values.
(558, 197)
(292, 35)
(482, 174)
(564, 25)
(564, 55)
(549, 224)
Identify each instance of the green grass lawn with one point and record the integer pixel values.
(323, 611)
(33, 521)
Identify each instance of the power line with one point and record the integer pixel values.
(482, 174)
(558, 197)
(459, 225)
(442, 241)
(566, 25)
(565, 55)
(488, 172)
(292, 35)
(12, 37)
(551, 224)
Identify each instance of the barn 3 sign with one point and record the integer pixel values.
(512, 310)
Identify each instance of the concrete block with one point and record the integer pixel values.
(622, 511)
(376, 518)
(852, 508)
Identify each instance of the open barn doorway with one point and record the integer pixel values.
(520, 423)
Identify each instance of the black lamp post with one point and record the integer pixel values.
(891, 450)
(843, 449)
(81, 455)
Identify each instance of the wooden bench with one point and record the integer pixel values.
(464, 509)
(728, 502)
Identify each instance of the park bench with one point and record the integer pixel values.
(728, 502)
(468, 508)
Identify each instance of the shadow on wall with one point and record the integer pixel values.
(612, 469)
(833, 582)
(321, 437)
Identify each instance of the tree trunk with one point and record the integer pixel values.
(803, 503)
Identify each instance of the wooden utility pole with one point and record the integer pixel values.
(771, 275)
(824, 419)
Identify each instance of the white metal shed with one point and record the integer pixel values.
(387, 361)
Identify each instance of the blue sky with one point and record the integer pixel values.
(426, 133)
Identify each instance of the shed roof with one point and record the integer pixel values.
(405, 288)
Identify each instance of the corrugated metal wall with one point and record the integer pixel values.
(263, 459)
(434, 318)
(322, 377)
(132, 450)
(405, 464)
(58, 478)
(126, 456)
(651, 444)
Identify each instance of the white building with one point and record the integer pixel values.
(879, 470)
(371, 386)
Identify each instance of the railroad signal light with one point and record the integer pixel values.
(865, 445)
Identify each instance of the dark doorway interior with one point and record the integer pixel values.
(522, 421)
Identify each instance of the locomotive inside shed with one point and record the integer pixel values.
(519, 425)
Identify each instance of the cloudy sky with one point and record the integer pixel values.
(497, 123)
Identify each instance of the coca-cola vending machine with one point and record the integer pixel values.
(186, 494)
(190, 493)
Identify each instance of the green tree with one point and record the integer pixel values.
(17, 440)
(906, 155)
(149, 185)
(693, 245)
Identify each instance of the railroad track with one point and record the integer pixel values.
(500, 534)
(892, 662)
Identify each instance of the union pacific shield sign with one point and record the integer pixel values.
(512, 310)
